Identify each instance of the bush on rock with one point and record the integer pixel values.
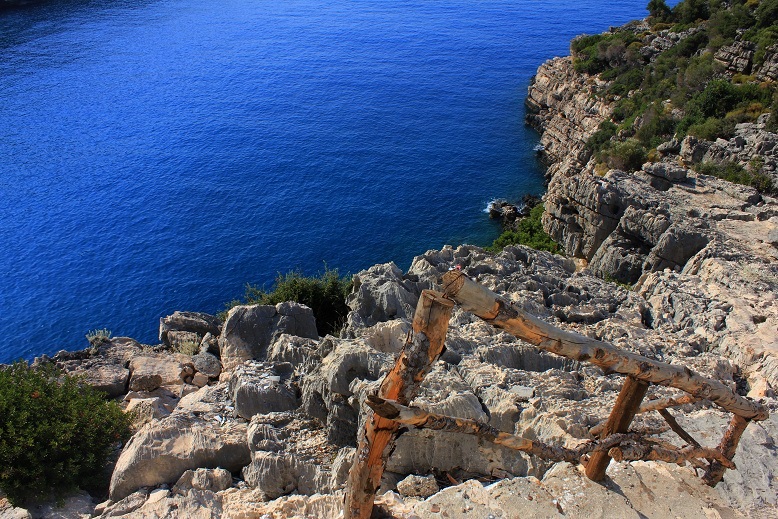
(55, 432)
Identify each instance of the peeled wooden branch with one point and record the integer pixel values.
(677, 429)
(420, 418)
(489, 306)
(402, 383)
(627, 446)
(727, 448)
(664, 403)
(634, 452)
(621, 416)
(653, 405)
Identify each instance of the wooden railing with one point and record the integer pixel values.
(612, 438)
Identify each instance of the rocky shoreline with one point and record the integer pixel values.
(262, 419)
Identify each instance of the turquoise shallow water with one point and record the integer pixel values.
(157, 155)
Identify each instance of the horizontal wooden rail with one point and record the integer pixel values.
(489, 306)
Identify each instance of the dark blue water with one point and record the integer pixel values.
(157, 155)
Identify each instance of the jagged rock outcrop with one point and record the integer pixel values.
(737, 57)
(557, 86)
(250, 329)
(164, 449)
(260, 388)
(670, 229)
(197, 323)
(769, 68)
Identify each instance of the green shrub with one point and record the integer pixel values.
(98, 337)
(529, 231)
(739, 175)
(601, 137)
(325, 294)
(626, 156)
(55, 433)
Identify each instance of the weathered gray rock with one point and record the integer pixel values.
(256, 388)
(146, 409)
(279, 474)
(207, 364)
(418, 486)
(249, 330)
(150, 371)
(111, 378)
(194, 322)
(380, 293)
(328, 386)
(769, 68)
(203, 479)
(737, 57)
(164, 449)
(292, 349)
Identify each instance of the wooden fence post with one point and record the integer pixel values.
(421, 350)
(627, 404)
(727, 447)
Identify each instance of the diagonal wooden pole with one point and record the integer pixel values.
(502, 314)
(421, 351)
(727, 447)
(627, 404)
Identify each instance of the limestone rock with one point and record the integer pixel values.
(736, 57)
(292, 349)
(111, 378)
(769, 68)
(203, 479)
(146, 410)
(249, 330)
(163, 450)
(194, 322)
(150, 371)
(207, 364)
(256, 388)
(418, 486)
(280, 474)
(380, 294)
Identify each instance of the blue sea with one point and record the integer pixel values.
(157, 155)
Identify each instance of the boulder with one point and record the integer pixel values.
(278, 474)
(150, 371)
(292, 349)
(109, 377)
(418, 486)
(249, 330)
(146, 410)
(164, 449)
(214, 480)
(256, 388)
(380, 293)
(207, 364)
(195, 322)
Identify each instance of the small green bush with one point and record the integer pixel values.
(55, 433)
(739, 175)
(98, 337)
(529, 232)
(626, 156)
(325, 294)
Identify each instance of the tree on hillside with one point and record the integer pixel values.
(659, 11)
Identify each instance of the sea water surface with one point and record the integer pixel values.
(156, 155)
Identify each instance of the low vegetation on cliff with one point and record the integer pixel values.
(56, 432)
(686, 71)
(528, 231)
(325, 294)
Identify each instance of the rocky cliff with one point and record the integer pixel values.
(262, 421)
(701, 251)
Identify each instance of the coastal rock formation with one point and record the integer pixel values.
(671, 231)
(164, 449)
(250, 329)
